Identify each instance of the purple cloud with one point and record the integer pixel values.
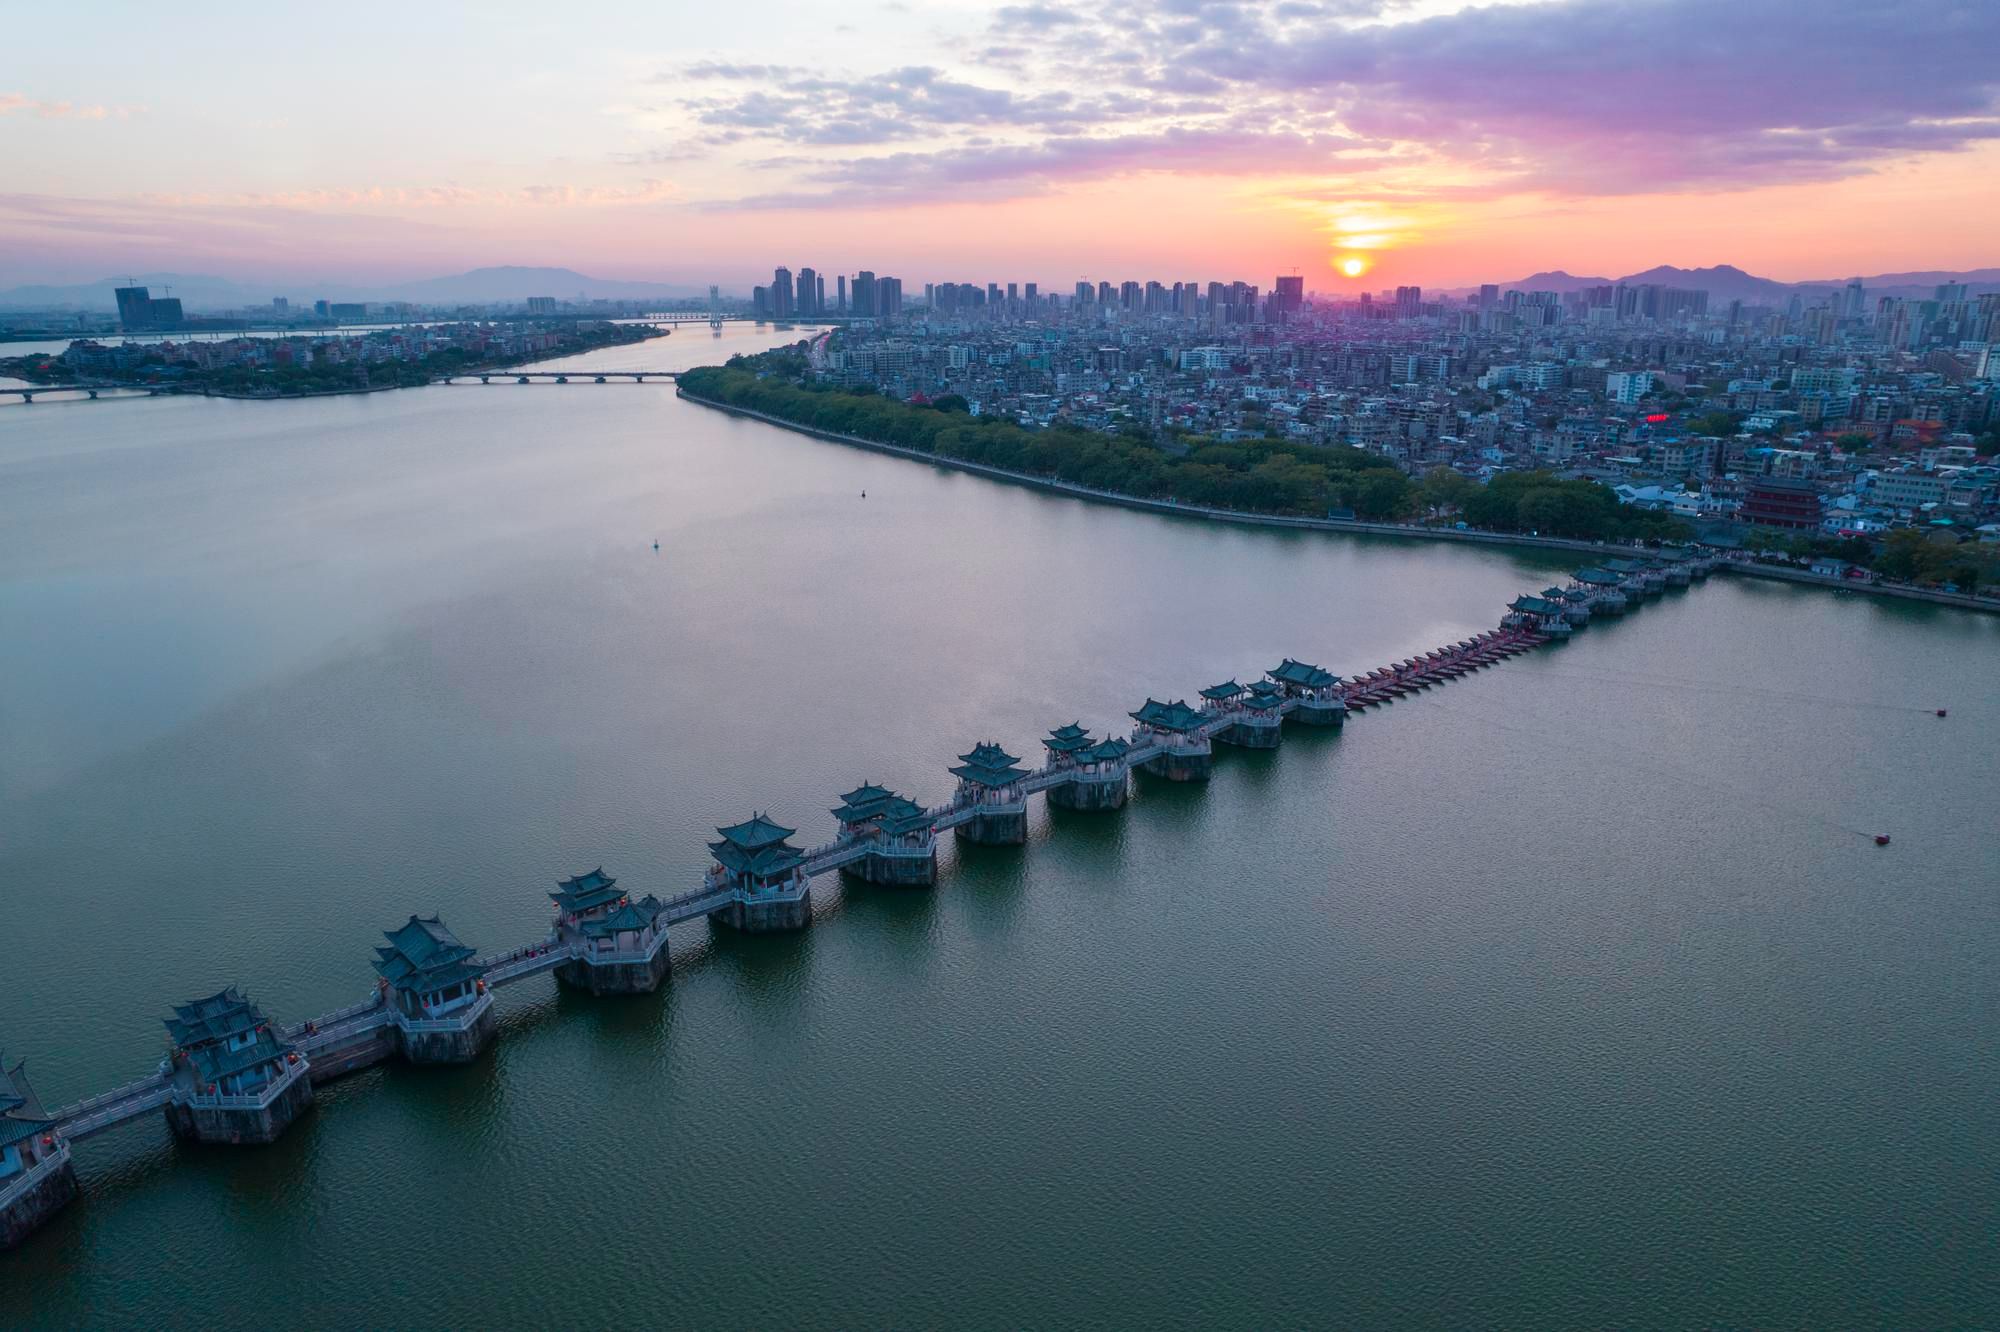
(1582, 97)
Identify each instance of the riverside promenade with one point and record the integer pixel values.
(232, 1075)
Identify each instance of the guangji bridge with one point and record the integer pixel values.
(232, 1075)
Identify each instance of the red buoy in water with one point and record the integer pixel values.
(1881, 839)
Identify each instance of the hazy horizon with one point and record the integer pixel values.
(1425, 141)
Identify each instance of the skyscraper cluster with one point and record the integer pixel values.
(864, 295)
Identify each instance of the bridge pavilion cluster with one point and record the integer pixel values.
(233, 1076)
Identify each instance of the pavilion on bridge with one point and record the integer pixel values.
(989, 783)
(765, 874)
(902, 845)
(36, 1177)
(1177, 731)
(1098, 775)
(622, 944)
(1313, 691)
(234, 1079)
(436, 989)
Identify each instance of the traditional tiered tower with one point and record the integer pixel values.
(235, 1080)
(622, 943)
(769, 889)
(1314, 693)
(1185, 754)
(989, 784)
(436, 990)
(36, 1178)
(1098, 777)
(902, 847)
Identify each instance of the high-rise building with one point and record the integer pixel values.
(819, 293)
(1029, 294)
(864, 294)
(808, 292)
(889, 297)
(1288, 296)
(1489, 295)
(1409, 300)
(781, 292)
(1857, 300)
(135, 308)
(1085, 293)
(281, 304)
(840, 292)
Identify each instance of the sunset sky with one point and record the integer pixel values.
(1426, 142)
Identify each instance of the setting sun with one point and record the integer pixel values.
(1354, 265)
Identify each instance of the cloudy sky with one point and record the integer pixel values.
(1433, 141)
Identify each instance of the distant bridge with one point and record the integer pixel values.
(555, 376)
(28, 391)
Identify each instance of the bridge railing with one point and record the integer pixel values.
(21, 1185)
(256, 1100)
(116, 1094)
(111, 1116)
(319, 1024)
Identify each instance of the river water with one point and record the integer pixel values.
(1573, 994)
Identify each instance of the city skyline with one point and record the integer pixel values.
(1364, 145)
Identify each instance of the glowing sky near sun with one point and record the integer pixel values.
(1362, 143)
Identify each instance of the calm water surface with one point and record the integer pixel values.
(1570, 995)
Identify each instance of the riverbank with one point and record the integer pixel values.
(1411, 531)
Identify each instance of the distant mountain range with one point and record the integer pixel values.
(1725, 283)
(481, 286)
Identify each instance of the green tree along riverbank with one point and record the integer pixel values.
(1267, 476)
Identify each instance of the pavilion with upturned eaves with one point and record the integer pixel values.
(989, 774)
(586, 896)
(436, 987)
(429, 971)
(1222, 697)
(235, 1080)
(618, 945)
(36, 1178)
(1098, 777)
(1175, 718)
(1313, 691)
(1178, 734)
(764, 872)
(1064, 742)
(757, 854)
(901, 841)
(989, 784)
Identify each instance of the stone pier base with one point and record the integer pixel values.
(21, 1217)
(1248, 735)
(1103, 792)
(639, 976)
(448, 1047)
(1181, 767)
(997, 827)
(766, 917)
(208, 1124)
(906, 871)
(1319, 714)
